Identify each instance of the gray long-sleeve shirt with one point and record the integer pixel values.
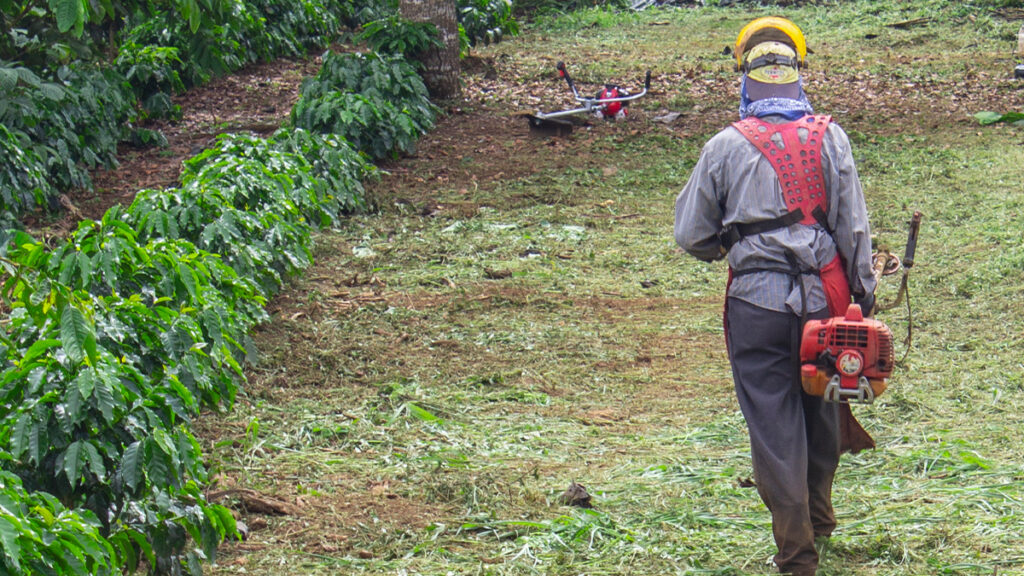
(733, 183)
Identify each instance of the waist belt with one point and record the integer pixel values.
(795, 271)
(732, 234)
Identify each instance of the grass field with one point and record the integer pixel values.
(515, 317)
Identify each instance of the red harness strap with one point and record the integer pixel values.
(794, 151)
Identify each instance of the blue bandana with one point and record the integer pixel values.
(788, 108)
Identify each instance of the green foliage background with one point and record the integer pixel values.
(78, 76)
(116, 337)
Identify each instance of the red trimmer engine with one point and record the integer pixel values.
(612, 107)
(610, 104)
(846, 359)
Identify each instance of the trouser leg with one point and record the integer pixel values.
(791, 434)
(822, 424)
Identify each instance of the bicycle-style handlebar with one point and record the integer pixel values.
(564, 73)
(589, 104)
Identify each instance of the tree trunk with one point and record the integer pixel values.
(440, 65)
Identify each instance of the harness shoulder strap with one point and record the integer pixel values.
(794, 151)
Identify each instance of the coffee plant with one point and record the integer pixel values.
(98, 388)
(245, 32)
(63, 126)
(118, 336)
(480, 22)
(122, 334)
(335, 164)
(76, 75)
(295, 27)
(41, 536)
(24, 181)
(153, 74)
(486, 21)
(378, 103)
(396, 35)
(211, 50)
(357, 13)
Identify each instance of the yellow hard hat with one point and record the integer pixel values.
(770, 29)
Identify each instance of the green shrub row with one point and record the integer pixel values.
(393, 34)
(76, 77)
(480, 22)
(170, 50)
(118, 337)
(65, 105)
(40, 536)
(486, 21)
(378, 103)
(54, 130)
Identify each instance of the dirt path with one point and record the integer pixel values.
(257, 99)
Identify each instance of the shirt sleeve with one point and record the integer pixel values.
(699, 210)
(848, 217)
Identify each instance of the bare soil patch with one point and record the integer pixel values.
(487, 140)
(257, 99)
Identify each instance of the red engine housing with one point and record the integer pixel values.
(846, 358)
(612, 110)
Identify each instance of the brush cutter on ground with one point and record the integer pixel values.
(610, 103)
(848, 358)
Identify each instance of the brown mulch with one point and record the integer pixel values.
(257, 99)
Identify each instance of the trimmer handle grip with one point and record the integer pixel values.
(564, 73)
(647, 81)
(915, 226)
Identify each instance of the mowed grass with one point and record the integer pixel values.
(429, 389)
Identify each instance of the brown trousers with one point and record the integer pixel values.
(794, 437)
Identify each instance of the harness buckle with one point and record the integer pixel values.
(729, 236)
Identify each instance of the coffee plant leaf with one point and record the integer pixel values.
(72, 462)
(9, 534)
(132, 469)
(77, 335)
(37, 349)
(70, 14)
